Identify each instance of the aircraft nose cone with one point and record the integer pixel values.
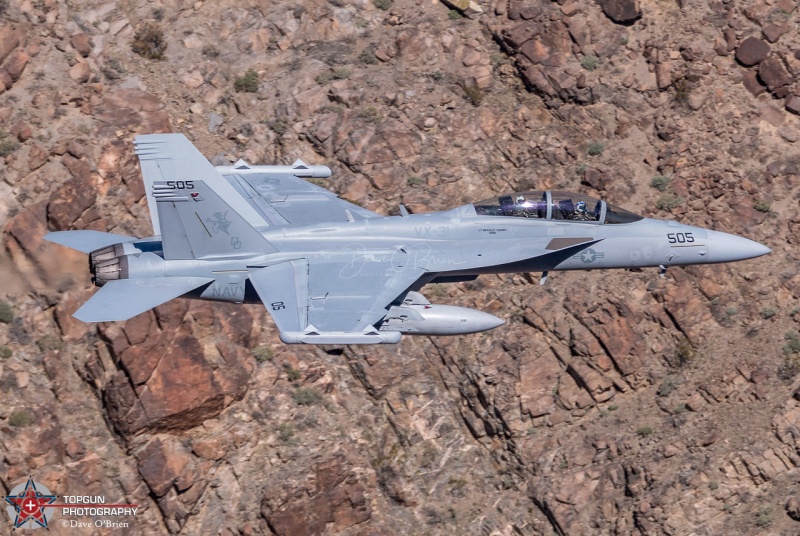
(493, 322)
(724, 247)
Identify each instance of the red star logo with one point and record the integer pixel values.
(30, 504)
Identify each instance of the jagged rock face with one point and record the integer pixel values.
(610, 403)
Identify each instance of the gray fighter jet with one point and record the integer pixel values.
(331, 272)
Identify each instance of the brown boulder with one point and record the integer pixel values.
(80, 72)
(28, 227)
(5, 79)
(82, 44)
(538, 378)
(72, 329)
(752, 84)
(9, 40)
(623, 11)
(336, 498)
(16, 63)
(161, 464)
(774, 75)
(521, 33)
(751, 51)
(70, 201)
(536, 80)
(793, 104)
(177, 386)
(131, 109)
(773, 32)
(22, 131)
(37, 157)
(793, 508)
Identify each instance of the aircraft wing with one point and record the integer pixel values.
(285, 199)
(335, 299)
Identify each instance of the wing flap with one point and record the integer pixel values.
(335, 298)
(126, 298)
(284, 290)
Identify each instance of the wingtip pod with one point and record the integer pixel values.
(340, 337)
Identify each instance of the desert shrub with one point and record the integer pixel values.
(473, 93)
(368, 57)
(436, 76)
(6, 312)
(247, 83)
(20, 418)
(660, 183)
(668, 201)
(5, 351)
(371, 114)
(306, 396)
(681, 91)
(341, 73)
(762, 206)
(285, 431)
(595, 148)
(644, 431)
(324, 78)
(278, 126)
(791, 357)
(49, 343)
(292, 374)
(385, 5)
(669, 384)
(764, 518)
(589, 63)
(768, 312)
(792, 345)
(149, 41)
(263, 353)
(7, 144)
(210, 51)
(454, 15)
(683, 354)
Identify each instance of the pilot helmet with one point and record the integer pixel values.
(581, 207)
(520, 199)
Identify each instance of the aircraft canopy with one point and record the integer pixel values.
(555, 205)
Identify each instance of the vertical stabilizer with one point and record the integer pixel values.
(197, 224)
(172, 157)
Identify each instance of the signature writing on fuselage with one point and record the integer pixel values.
(421, 256)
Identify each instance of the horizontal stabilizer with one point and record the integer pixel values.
(87, 241)
(126, 298)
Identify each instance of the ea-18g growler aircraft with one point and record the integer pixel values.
(331, 272)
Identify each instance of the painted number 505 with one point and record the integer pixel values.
(181, 185)
(680, 238)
